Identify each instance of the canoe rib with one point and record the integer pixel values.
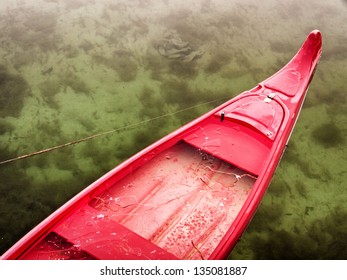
(191, 194)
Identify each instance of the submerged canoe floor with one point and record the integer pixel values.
(183, 200)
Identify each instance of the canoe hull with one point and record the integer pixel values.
(191, 194)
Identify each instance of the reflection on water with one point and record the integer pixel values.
(69, 69)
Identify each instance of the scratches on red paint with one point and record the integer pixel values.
(181, 197)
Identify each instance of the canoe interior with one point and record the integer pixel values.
(178, 205)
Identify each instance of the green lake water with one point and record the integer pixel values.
(72, 69)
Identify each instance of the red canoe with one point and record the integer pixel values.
(191, 194)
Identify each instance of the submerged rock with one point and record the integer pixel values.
(173, 47)
(13, 90)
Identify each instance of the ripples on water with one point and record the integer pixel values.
(69, 69)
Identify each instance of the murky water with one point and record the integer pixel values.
(71, 69)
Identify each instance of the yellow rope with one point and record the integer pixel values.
(104, 133)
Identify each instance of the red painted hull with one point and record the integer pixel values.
(191, 194)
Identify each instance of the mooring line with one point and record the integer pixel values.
(105, 133)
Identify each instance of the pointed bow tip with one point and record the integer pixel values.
(313, 44)
(316, 32)
(316, 36)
